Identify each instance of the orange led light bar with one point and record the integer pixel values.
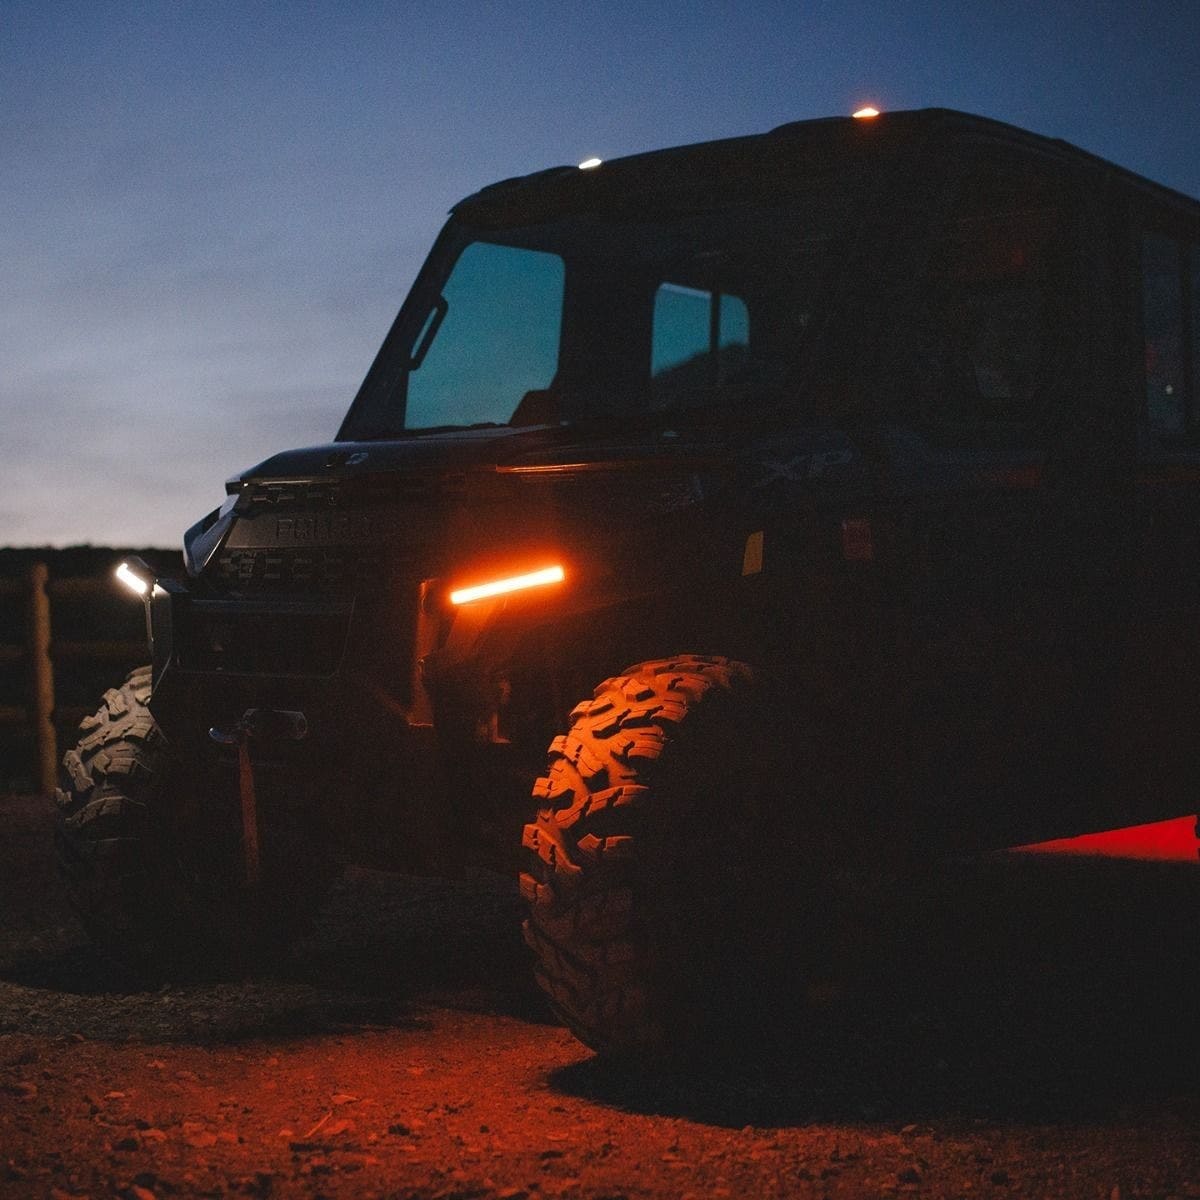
(514, 583)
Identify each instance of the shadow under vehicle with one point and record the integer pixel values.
(872, 443)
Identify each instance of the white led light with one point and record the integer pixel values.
(135, 583)
(590, 164)
(501, 587)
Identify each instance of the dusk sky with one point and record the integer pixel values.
(211, 211)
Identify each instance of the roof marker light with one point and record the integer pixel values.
(865, 114)
(590, 164)
(514, 583)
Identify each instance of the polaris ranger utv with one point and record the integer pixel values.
(870, 443)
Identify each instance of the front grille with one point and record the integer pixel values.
(334, 570)
(356, 491)
(225, 638)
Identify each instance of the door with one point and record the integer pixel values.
(1003, 494)
(1160, 715)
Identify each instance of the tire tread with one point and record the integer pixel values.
(587, 855)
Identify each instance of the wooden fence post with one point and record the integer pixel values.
(42, 679)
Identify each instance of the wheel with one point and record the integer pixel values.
(153, 867)
(636, 879)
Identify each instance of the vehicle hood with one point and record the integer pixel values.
(469, 449)
(438, 465)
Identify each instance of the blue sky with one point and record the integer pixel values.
(211, 211)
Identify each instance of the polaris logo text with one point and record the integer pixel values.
(323, 530)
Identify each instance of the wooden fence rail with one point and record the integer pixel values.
(41, 653)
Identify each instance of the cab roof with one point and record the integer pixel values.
(759, 165)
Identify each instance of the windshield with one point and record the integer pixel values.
(593, 318)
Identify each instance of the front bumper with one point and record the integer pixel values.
(217, 655)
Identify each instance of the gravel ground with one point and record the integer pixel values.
(1010, 1027)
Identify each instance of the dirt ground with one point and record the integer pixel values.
(1010, 1027)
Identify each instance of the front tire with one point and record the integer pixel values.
(150, 856)
(636, 864)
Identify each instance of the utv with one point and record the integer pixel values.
(871, 443)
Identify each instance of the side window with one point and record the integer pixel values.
(1194, 313)
(986, 333)
(696, 328)
(498, 340)
(1165, 280)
